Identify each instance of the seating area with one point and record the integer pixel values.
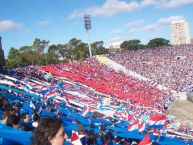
(91, 95)
(169, 66)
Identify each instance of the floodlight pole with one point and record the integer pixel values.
(87, 24)
(90, 51)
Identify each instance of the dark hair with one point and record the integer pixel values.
(47, 128)
(36, 117)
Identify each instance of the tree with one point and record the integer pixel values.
(77, 49)
(27, 54)
(81, 51)
(157, 42)
(52, 55)
(131, 44)
(64, 51)
(38, 47)
(14, 58)
(98, 48)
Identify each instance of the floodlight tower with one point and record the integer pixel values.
(87, 25)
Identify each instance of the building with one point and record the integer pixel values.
(115, 44)
(2, 58)
(192, 41)
(180, 32)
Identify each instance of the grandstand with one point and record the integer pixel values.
(127, 98)
(93, 92)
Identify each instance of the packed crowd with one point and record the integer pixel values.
(85, 83)
(116, 84)
(170, 66)
(15, 115)
(93, 96)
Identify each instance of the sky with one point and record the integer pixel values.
(21, 21)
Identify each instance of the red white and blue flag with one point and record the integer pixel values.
(86, 110)
(50, 94)
(133, 126)
(157, 120)
(77, 139)
(141, 126)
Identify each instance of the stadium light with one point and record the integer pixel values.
(87, 26)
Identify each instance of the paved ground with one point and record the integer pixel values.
(183, 110)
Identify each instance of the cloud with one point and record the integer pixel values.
(112, 7)
(109, 8)
(7, 25)
(172, 3)
(28, 30)
(133, 23)
(159, 23)
(129, 25)
(117, 31)
(145, 3)
(43, 22)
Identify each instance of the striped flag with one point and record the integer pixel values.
(157, 120)
(133, 126)
(85, 111)
(50, 94)
(141, 127)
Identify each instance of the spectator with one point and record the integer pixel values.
(25, 123)
(49, 132)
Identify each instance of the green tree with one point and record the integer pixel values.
(14, 58)
(27, 54)
(157, 42)
(52, 55)
(132, 45)
(64, 51)
(77, 49)
(81, 51)
(98, 48)
(38, 48)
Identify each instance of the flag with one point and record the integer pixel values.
(157, 132)
(118, 112)
(130, 117)
(67, 100)
(174, 125)
(78, 139)
(30, 86)
(85, 111)
(75, 140)
(144, 118)
(141, 127)
(50, 94)
(104, 104)
(146, 140)
(157, 120)
(133, 126)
